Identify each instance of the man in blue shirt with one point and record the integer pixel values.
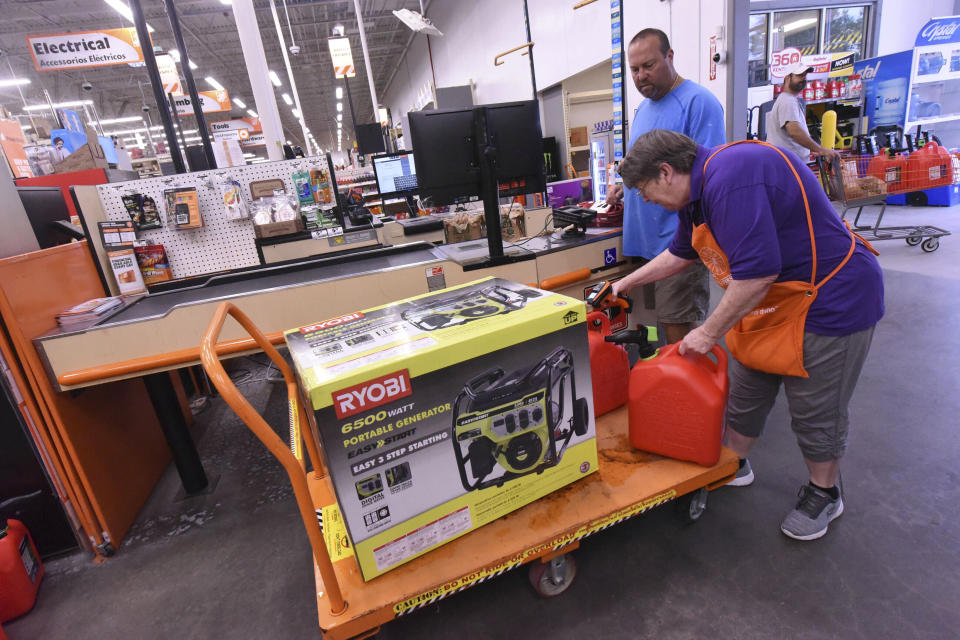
(685, 107)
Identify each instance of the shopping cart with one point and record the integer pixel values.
(541, 534)
(861, 181)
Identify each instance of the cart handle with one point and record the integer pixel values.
(255, 422)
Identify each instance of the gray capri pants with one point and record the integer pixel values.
(818, 404)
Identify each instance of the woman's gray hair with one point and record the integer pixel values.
(642, 162)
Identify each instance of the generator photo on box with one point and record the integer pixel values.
(515, 424)
(443, 412)
(462, 308)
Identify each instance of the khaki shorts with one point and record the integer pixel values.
(683, 298)
(818, 404)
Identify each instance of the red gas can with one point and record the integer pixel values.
(676, 405)
(20, 570)
(929, 167)
(609, 366)
(892, 169)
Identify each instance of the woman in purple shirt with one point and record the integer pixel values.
(802, 295)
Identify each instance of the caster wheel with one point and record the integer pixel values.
(930, 245)
(550, 579)
(581, 416)
(914, 240)
(692, 505)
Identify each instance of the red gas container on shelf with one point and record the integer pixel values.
(929, 167)
(675, 403)
(892, 169)
(20, 570)
(609, 366)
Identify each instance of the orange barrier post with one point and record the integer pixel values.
(288, 456)
(566, 279)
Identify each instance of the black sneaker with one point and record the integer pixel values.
(814, 511)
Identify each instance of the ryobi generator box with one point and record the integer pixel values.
(441, 413)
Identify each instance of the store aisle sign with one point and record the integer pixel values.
(11, 143)
(84, 49)
(342, 57)
(237, 129)
(210, 102)
(169, 76)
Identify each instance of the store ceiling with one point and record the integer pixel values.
(212, 42)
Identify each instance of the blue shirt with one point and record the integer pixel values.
(751, 202)
(688, 109)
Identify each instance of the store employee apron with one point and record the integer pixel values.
(769, 338)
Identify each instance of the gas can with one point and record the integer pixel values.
(676, 405)
(609, 366)
(20, 570)
(892, 169)
(929, 167)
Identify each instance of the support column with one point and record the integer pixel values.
(366, 62)
(293, 82)
(256, 61)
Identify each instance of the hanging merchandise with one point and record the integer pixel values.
(123, 262)
(320, 185)
(285, 208)
(233, 200)
(153, 263)
(183, 206)
(143, 211)
(262, 213)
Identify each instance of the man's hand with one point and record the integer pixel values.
(828, 154)
(615, 194)
(620, 288)
(697, 342)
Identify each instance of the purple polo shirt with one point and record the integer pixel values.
(752, 204)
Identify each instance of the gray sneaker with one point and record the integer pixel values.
(744, 476)
(814, 511)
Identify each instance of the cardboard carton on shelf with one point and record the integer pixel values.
(579, 137)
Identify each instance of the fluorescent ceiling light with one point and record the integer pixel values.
(798, 24)
(252, 113)
(226, 2)
(296, 113)
(339, 106)
(13, 82)
(213, 83)
(58, 105)
(274, 78)
(288, 142)
(122, 8)
(287, 98)
(119, 120)
(249, 155)
(339, 93)
(339, 117)
(175, 54)
(240, 103)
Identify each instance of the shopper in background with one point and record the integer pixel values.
(742, 212)
(787, 121)
(678, 105)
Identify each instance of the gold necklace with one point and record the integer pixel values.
(676, 83)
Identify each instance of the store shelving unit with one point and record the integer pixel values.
(579, 156)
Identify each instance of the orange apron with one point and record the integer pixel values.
(769, 338)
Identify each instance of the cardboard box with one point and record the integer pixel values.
(463, 226)
(579, 137)
(441, 413)
(274, 229)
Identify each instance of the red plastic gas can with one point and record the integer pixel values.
(892, 169)
(929, 167)
(20, 570)
(676, 405)
(609, 366)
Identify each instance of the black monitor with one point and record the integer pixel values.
(447, 158)
(370, 138)
(45, 207)
(396, 174)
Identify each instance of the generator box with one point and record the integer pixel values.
(440, 413)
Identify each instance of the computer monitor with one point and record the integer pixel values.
(447, 155)
(396, 174)
(370, 138)
(44, 207)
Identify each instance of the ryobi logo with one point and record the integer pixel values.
(372, 393)
(326, 324)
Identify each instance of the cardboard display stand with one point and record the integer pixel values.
(441, 413)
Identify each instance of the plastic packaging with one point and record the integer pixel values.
(233, 201)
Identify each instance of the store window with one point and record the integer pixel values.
(757, 59)
(845, 30)
(797, 29)
(812, 31)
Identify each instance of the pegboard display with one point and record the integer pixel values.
(221, 244)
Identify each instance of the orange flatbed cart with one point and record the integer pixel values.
(542, 533)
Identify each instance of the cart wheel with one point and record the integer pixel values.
(550, 579)
(930, 245)
(692, 505)
(581, 416)
(914, 240)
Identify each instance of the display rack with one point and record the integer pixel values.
(221, 244)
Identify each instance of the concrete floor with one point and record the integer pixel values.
(236, 563)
